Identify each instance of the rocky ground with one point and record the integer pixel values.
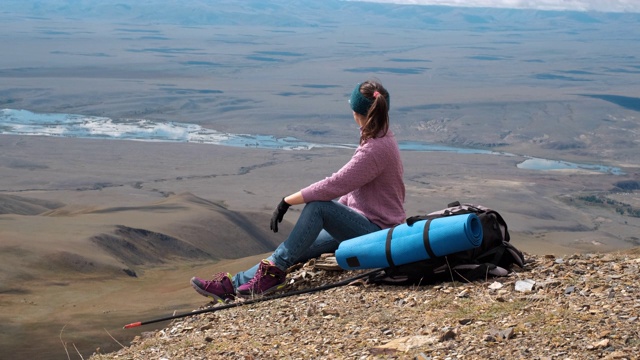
(584, 306)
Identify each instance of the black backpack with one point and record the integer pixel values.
(494, 257)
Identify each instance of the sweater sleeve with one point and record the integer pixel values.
(360, 170)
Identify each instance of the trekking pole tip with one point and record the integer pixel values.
(132, 325)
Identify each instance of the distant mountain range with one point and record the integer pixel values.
(306, 13)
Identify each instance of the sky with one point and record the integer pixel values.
(576, 5)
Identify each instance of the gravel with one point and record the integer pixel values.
(584, 306)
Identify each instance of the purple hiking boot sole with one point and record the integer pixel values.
(270, 290)
(195, 284)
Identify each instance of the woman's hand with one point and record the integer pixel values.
(278, 215)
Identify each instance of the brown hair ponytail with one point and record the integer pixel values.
(377, 123)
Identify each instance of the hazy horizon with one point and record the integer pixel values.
(547, 5)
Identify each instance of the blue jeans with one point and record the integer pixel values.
(320, 229)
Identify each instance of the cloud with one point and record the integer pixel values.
(575, 5)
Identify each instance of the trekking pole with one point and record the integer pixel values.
(253, 301)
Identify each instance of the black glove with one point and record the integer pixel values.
(278, 214)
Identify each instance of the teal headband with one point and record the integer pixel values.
(359, 103)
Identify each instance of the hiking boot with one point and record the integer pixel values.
(220, 288)
(268, 278)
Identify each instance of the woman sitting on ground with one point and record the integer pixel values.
(371, 195)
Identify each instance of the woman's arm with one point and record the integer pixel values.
(294, 199)
(359, 171)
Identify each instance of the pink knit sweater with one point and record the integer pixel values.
(370, 183)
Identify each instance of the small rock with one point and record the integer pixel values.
(311, 310)
(505, 334)
(449, 335)
(330, 312)
(616, 355)
(407, 343)
(382, 351)
(524, 285)
(600, 344)
(508, 333)
(490, 338)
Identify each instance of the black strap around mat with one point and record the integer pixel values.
(387, 248)
(427, 243)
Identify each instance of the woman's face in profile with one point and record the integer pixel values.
(358, 118)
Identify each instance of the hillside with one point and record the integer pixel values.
(11, 204)
(579, 307)
(67, 265)
(91, 239)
